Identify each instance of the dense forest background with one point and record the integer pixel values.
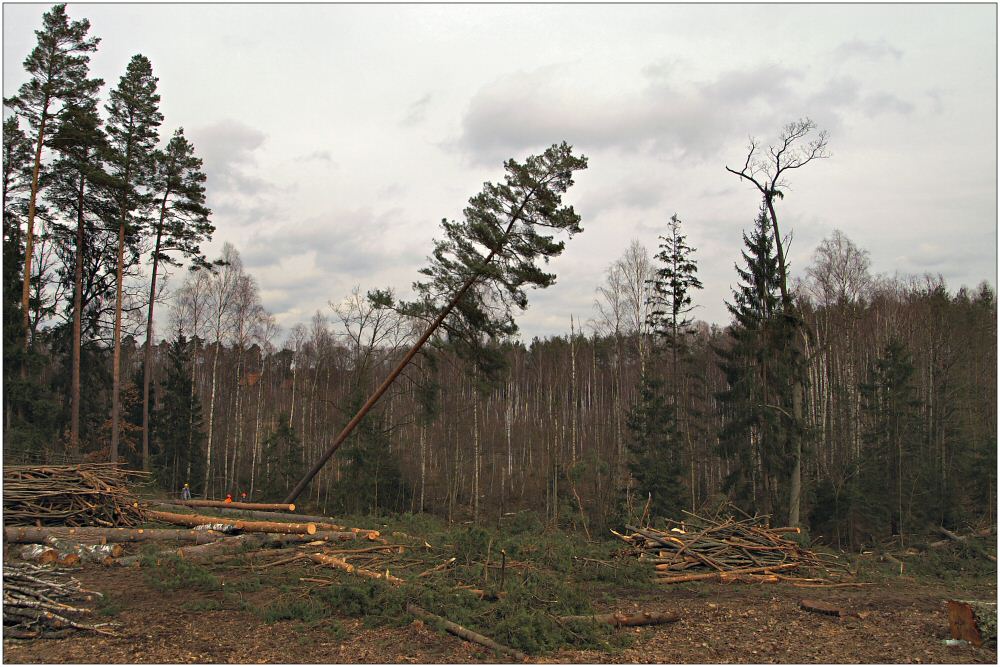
(632, 411)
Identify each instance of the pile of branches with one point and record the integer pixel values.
(726, 549)
(36, 603)
(88, 494)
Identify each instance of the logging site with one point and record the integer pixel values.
(499, 333)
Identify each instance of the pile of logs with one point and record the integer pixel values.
(727, 550)
(37, 603)
(88, 494)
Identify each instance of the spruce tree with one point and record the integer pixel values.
(757, 423)
(58, 66)
(178, 456)
(181, 225)
(133, 119)
(670, 308)
(655, 460)
(891, 468)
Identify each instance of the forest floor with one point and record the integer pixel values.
(235, 613)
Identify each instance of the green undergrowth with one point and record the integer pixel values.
(531, 577)
(954, 565)
(170, 573)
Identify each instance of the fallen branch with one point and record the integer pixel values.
(619, 619)
(820, 607)
(464, 633)
(340, 564)
(437, 568)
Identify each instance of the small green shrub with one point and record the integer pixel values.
(110, 605)
(169, 573)
(289, 608)
(202, 605)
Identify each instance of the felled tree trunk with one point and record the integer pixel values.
(340, 564)
(33, 535)
(278, 507)
(239, 524)
(619, 619)
(464, 633)
(227, 545)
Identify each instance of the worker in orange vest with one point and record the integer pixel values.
(229, 497)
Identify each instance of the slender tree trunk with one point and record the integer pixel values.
(74, 419)
(211, 416)
(30, 235)
(795, 481)
(256, 428)
(147, 362)
(117, 355)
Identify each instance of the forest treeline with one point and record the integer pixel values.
(862, 405)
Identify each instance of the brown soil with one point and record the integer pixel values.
(721, 623)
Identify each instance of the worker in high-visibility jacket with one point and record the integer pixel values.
(229, 497)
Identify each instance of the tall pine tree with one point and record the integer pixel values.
(133, 119)
(181, 225)
(58, 66)
(78, 177)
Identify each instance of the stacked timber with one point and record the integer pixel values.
(727, 550)
(44, 603)
(88, 494)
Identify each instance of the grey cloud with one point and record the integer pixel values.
(318, 156)
(228, 149)
(630, 194)
(417, 112)
(531, 110)
(867, 50)
(878, 103)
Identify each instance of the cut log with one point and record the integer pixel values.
(340, 564)
(820, 607)
(247, 526)
(965, 540)
(104, 554)
(276, 507)
(226, 545)
(717, 576)
(279, 516)
(464, 633)
(973, 621)
(620, 619)
(33, 535)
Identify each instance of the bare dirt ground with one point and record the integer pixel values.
(722, 623)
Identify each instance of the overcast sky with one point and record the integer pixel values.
(335, 137)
